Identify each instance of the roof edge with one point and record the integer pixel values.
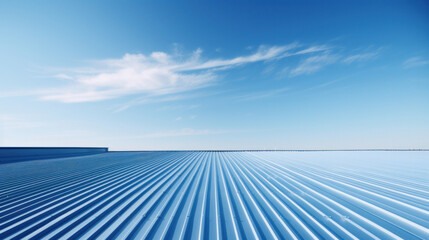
(17, 154)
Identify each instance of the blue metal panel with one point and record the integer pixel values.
(15, 154)
(217, 195)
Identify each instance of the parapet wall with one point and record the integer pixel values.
(15, 154)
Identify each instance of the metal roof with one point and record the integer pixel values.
(213, 195)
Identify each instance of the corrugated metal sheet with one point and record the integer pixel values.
(213, 195)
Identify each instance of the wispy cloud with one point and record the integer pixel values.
(324, 56)
(162, 77)
(360, 57)
(262, 54)
(312, 49)
(314, 63)
(157, 74)
(132, 74)
(415, 62)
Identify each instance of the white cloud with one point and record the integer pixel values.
(154, 75)
(160, 76)
(262, 54)
(322, 56)
(313, 49)
(314, 63)
(360, 57)
(132, 74)
(415, 62)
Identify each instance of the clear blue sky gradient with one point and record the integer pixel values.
(219, 75)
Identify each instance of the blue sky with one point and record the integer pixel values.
(218, 75)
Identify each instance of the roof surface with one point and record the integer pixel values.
(213, 195)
